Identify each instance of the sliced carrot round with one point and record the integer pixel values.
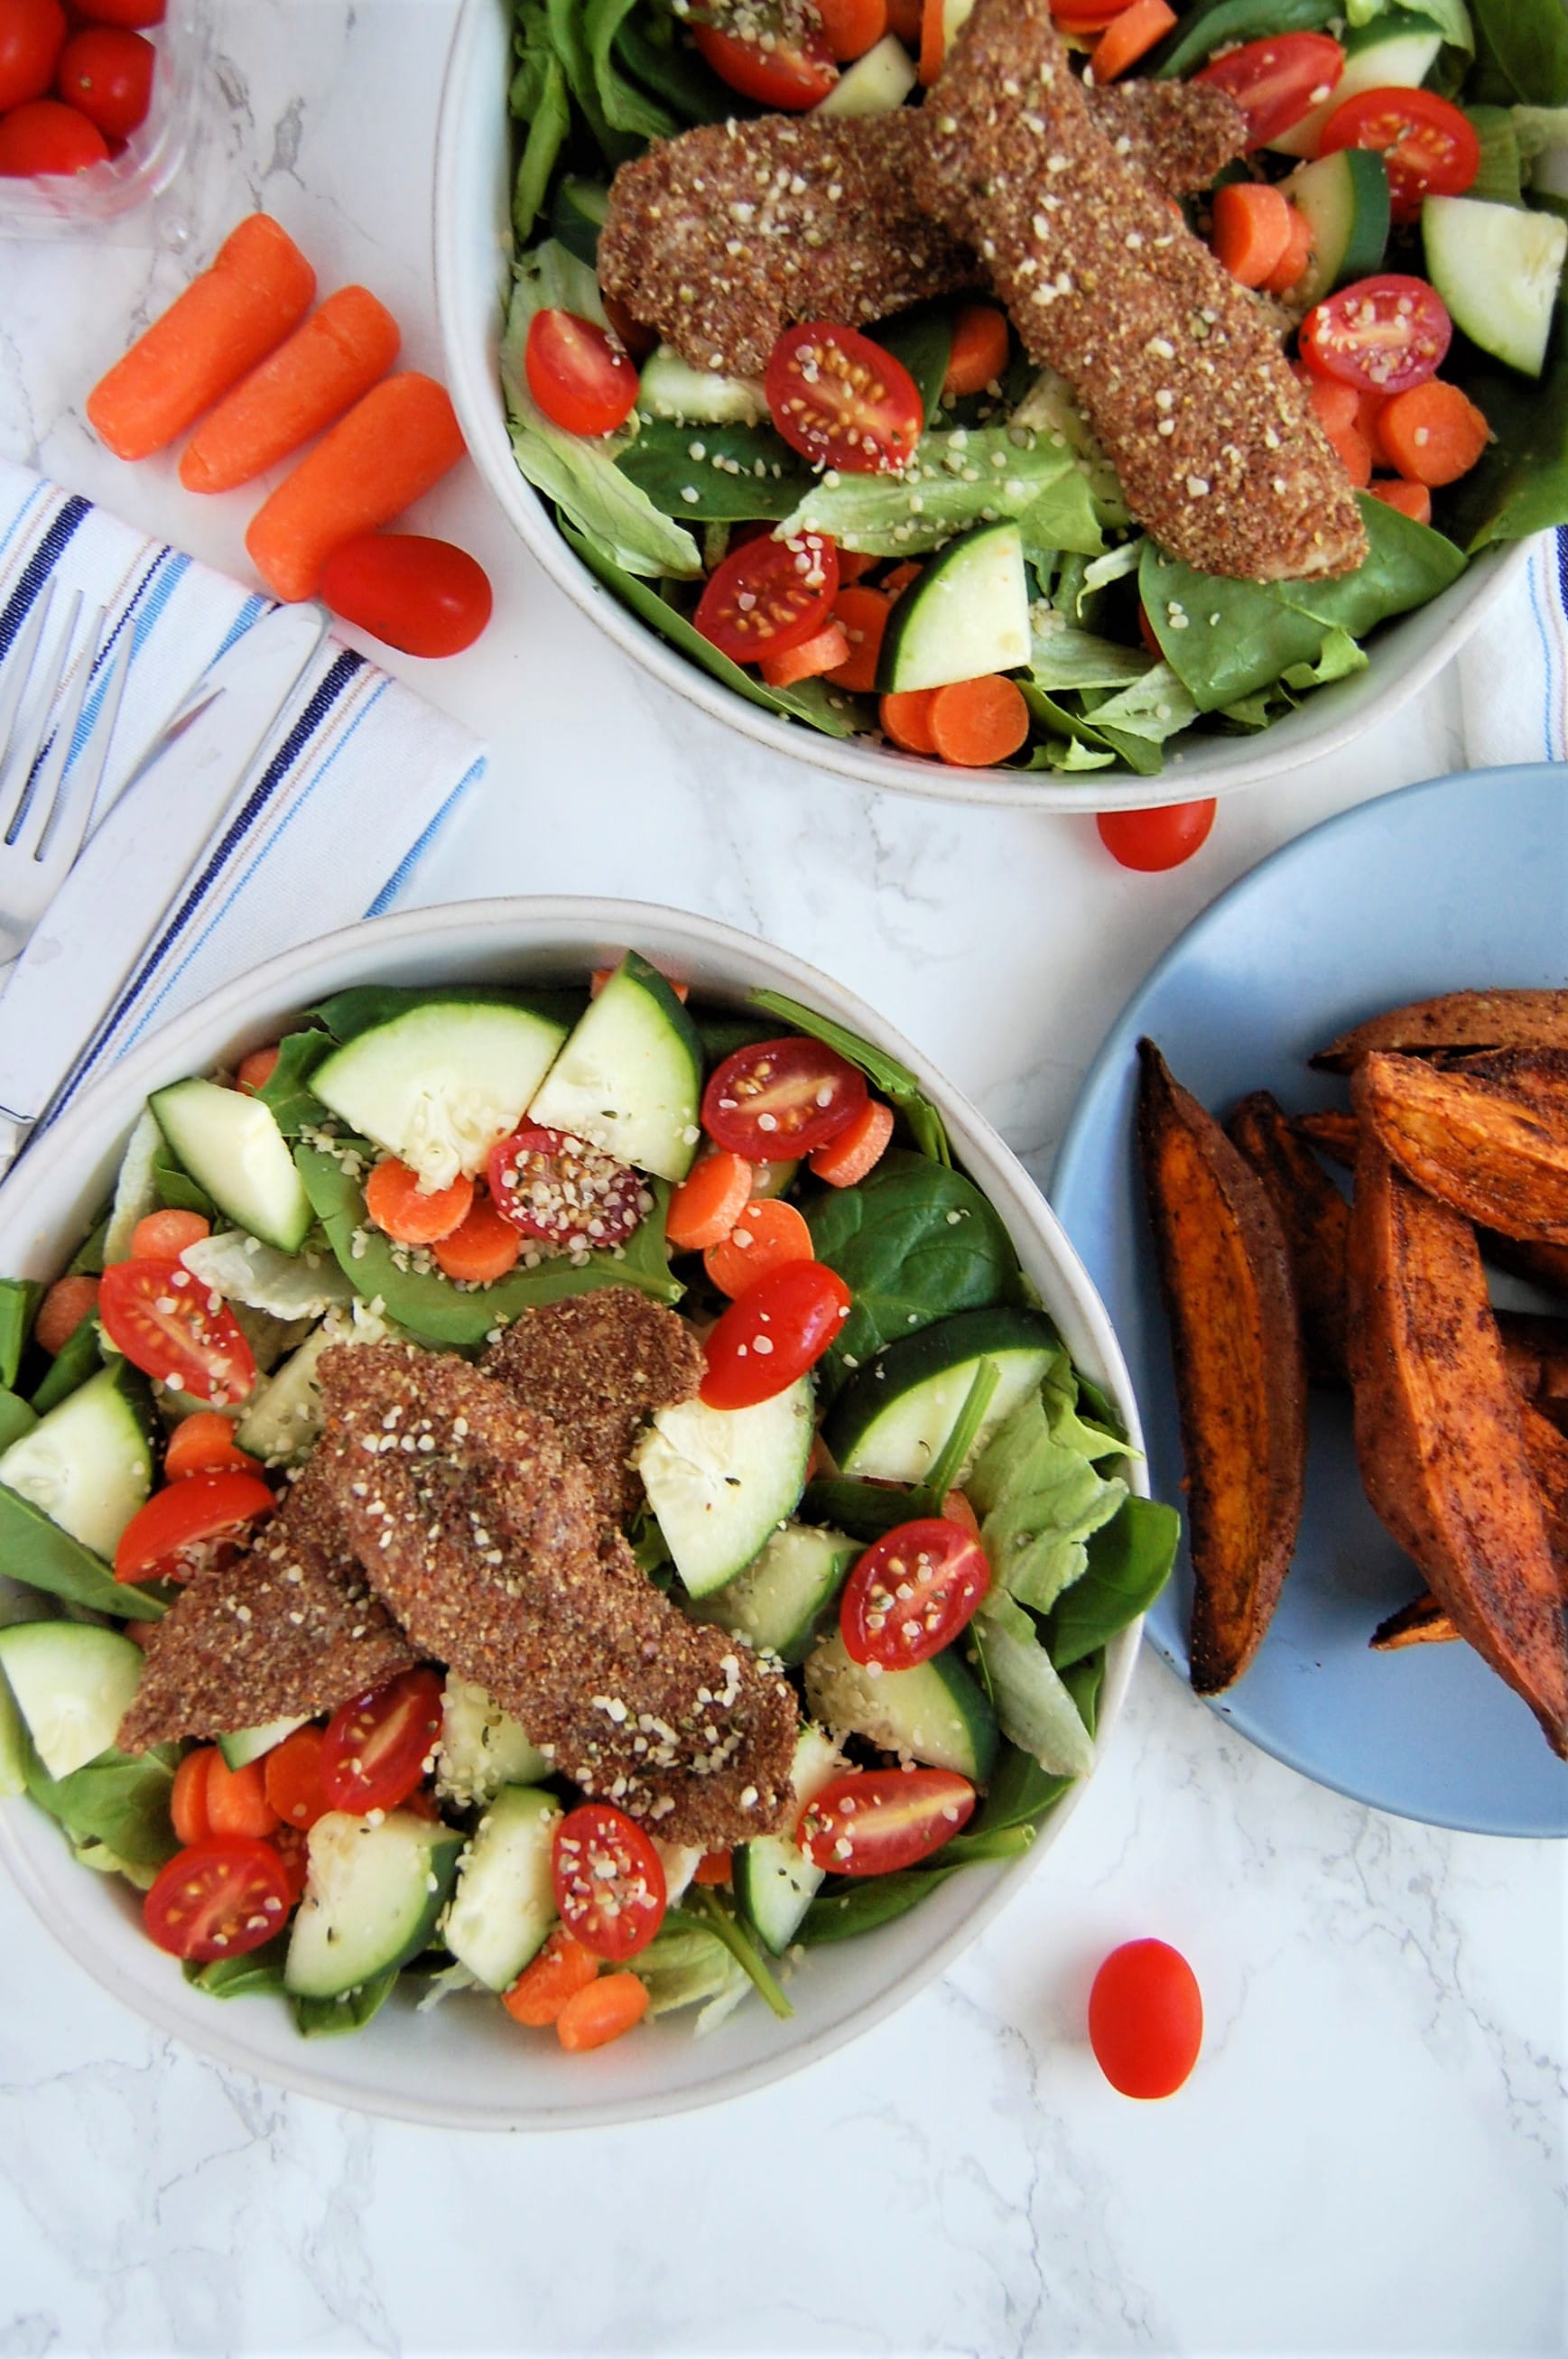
(1295, 258)
(979, 352)
(1410, 499)
(556, 1975)
(163, 1236)
(188, 1796)
(861, 614)
(714, 1867)
(410, 1214)
(708, 1201)
(906, 717)
(1432, 434)
(68, 1301)
(845, 1161)
(600, 2011)
(768, 1233)
(1335, 406)
(1354, 455)
(1130, 37)
(237, 1802)
(1252, 230)
(824, 651)
(482, 1248)
(977, 722)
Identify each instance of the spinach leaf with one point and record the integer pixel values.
(44, 1556)
(15, 1419)
(721, 1034)
(19, 1300)
(626, 106)
(430, 1306)
(894, 1082)
(994, 1842)
(742, 472)
(1406, 564)
(567, 21)
(177, 1191)
(1019, 1791)
(914, 1242)
(1529, 39)
(837, 715)
(257, 1970)
(1520, 486)
(286, 1092)
(923, 340)
(120, 1799)
(79, 1357)
(839, 1915)
(1223, 640)
(1129, 1562)
(88, 1259)
(324, 2019)
(1217, 24)
(864, 1510)
(652, 50)
(1083, 1682)
(548, 111)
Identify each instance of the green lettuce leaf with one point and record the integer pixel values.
(1040, 1497)
(739, 471)
(963, 476)
(1034, 1710)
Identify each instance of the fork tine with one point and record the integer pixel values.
(32, 740)
(58, 819)
(21, 664)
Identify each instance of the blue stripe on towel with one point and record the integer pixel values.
(411, 858)
(73, 513)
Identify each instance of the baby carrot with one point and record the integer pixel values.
(1412, 500)
(256, 1070)
(163, 1236)
(708, 1202)
(390, 450)
(62, 1311)
(1433, 434)
(1129, 37)
(600, 2011)
(341, 351)
(977, 722)
(258, 288)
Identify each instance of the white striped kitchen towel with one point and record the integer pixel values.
(362, 775)
(1513, 673)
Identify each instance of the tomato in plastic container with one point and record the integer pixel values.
(115, 199)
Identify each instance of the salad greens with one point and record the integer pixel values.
(652, 508)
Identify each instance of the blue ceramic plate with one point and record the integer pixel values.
(1457, 884)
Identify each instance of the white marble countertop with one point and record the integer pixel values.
(1369, 2156)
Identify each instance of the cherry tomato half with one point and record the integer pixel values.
(773, 1334)
(786, 69)
(32, 34)
(768, 597)
(1153, 840)
(181, 1526)
(780, 1099)
(162, 1319)
(107, 74)
(577, 374)
(218, 1897)
(46, 136)
(375, 1749)
(1429, 145)
(609, 1881)
(837, 398)
(1277, 82)
(1146, 2019)
(874, 1821)
(549, 1184)
(1381, 335)
(911, 1594)
(137, 13)
(409, 591)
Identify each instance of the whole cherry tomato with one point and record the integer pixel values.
(46, 137)
(1146, 2019)
(32, 33)
(107, 74)
(137, 14)
(1153, 840)
(409, 591)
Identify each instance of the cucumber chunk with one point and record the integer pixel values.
(373, 1898)
(283, 1415)
(670, 387)
(504, 1902)
(73, 1684)
(936, 1714)
(86, 1464)
(244, 1746)
(891, 1420)
(774, 1881)
(1344, 200)
(877, 84)
(1397, 52)
(438, 1085)
(721, 1480)
(1497, 269)
(968, 614)
(231, 1146)
(13, 1745)
(778, 1600)
(630, 1077)
(482, 1748)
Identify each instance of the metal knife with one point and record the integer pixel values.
(159, 833)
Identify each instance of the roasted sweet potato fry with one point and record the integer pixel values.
(1535, 1348)
(1460, 1019)
(1439, 1432)
(1315, 1218)
(1543, 1266)
(1331, 1133)
(1423, 1622)
(1470, 1143)
(1236, 1336)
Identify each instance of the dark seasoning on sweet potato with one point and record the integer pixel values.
(1456, 1138)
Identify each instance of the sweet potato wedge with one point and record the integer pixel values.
(1240, 1376)
(1439, 1433)
(1315, 1218)
(1460, 1019)
(1543, 1266)
(1535, 1351)
(1423, 1622)
(1331, 1133)
(1473, 1144)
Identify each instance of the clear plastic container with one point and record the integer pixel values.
(114, 200)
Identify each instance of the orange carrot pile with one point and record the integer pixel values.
(323, 368)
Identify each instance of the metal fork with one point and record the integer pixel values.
(49, 784)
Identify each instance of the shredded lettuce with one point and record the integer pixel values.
(289, 1285)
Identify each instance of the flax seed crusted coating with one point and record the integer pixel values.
(479, 1530)
(1217, 449)
(599, 1365)
(289, 1630)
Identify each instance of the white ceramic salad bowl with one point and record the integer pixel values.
(464, 2065)
(473, 258)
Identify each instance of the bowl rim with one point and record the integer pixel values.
(1273, 752)
(227, 1015)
